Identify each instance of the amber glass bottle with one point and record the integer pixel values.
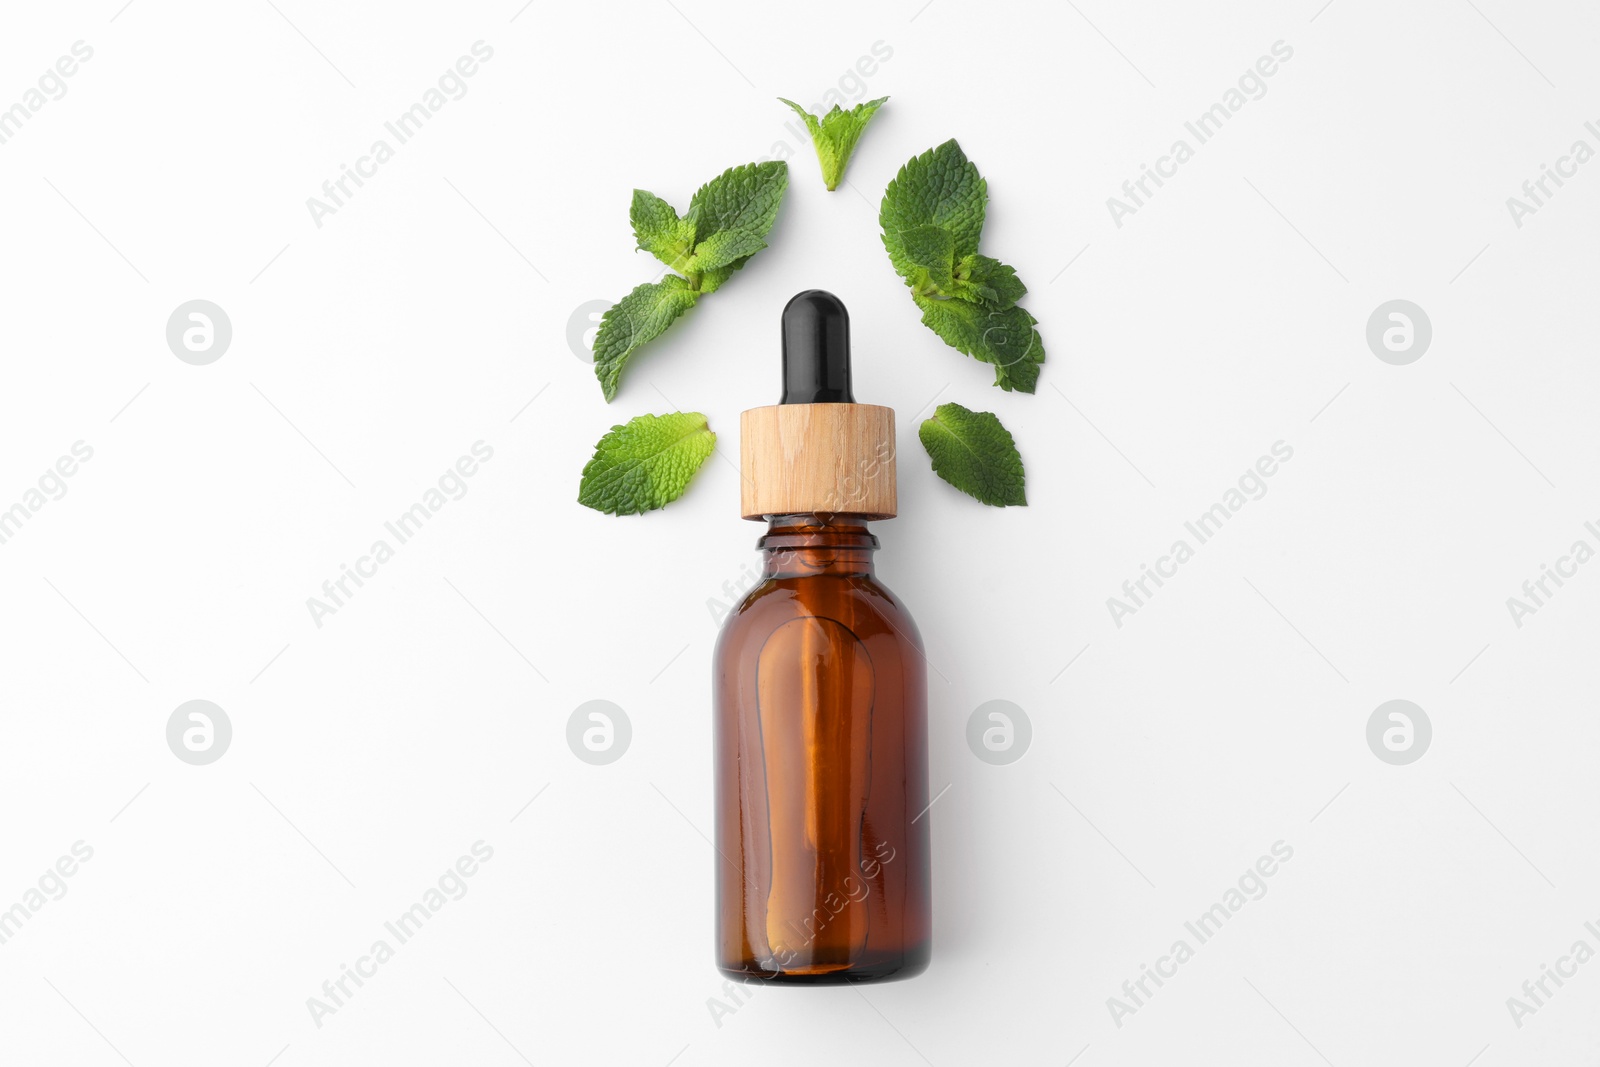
(821, 696)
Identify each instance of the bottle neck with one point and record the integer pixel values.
(798, 546)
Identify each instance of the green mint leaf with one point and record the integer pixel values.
(1004, 337)
(658, 229)
(974, 453)
(740, 198)
(646, 464)
(724, 249)
(939, 188)
(835, 135)
(641, 316)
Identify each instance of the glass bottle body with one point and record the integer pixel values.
(820, 689)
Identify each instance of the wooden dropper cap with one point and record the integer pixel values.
(817, 450)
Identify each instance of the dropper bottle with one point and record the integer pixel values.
(820, 688)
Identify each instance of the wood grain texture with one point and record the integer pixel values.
(832, 458)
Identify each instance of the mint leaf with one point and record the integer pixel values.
(658, 229)
(641, 316)
(974, 453)
(1004, 337)
(932, 217)
(740, 198)
(646, 464)
(835, 135)
(941, 188)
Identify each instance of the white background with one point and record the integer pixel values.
(432, 311)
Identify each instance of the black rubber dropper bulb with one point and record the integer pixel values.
(816, 350)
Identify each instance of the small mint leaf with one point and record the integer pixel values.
(641, 316)
(657, 228)
(973, 452)
(835, 135)
(740, 198)
(645, 464)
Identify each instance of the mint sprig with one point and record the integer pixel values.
(973, 452)
(645, 464)
(932, 217)
(835, 135)
(728, 220)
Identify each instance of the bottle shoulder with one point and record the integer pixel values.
(774, 601)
